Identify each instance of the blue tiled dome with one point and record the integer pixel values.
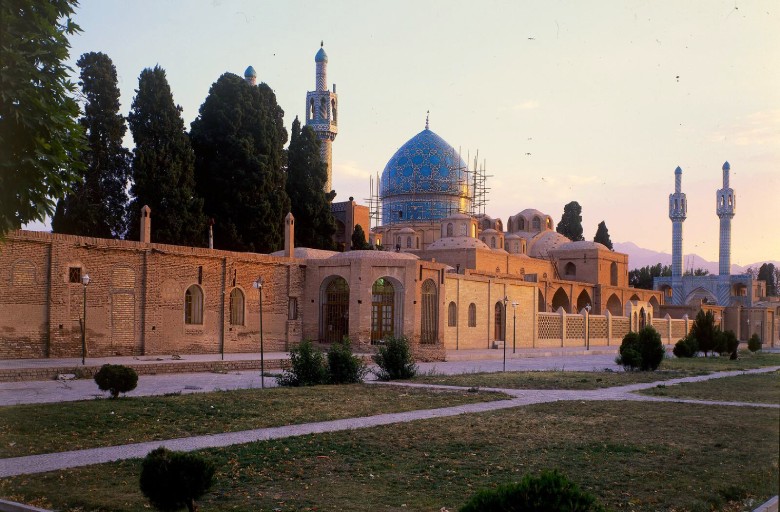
(321, 56)
(424, 180)
(250, 72)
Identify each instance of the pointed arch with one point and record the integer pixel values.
(700, 294)
(614, 306)
(561, 300)
(541, 306)
(583, 299)
(634, 297)
(654, 302)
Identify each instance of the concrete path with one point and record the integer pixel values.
(63, 460)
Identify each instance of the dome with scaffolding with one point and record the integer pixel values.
(426, 179)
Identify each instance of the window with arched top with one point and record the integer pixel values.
(311, 109)
(449, 229)
(333, 110)
(549, 223)
(452, 315)
(408, 242)
(492, 242)
(429, 318)
(613, 274)
(323, 108)
(521, 225)
(193, 305)
(472, 315)
(570, 269)
(536, 224)
(236, 307)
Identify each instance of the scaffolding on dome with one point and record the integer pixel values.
(473, 183)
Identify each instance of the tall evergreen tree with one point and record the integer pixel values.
(239, 139)
(767, 273)
(96, 207)
(306, 178)
(643, 277)
(602, 235)
(163, 166)
(40, 137)
(359, 239)
(570, 225)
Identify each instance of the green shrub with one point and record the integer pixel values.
(550, 491)
(116, 378)
(172, 480)
(395, 359)
(686, 347)
(754, 343)
(306, 367)
(730, 341)
(343, 366)
(705, 330)
(720, 342)
(641, 351)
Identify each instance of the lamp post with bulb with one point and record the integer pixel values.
(258, 284)
(506, 299)
(84, 282)
(514, 326)
(587, 328)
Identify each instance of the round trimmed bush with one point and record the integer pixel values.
(116, 378)
(754, 343)
(395, 359)
(173, 480)
(306, 368)
(550, 491)
(686, 347)
(343, 366)
(641, 351)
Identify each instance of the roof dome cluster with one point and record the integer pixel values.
(424, 180)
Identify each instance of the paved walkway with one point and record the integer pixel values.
(64, 460)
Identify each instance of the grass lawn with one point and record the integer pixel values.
(671, 368)
(46, 428)
(763, 388)
(631, 455)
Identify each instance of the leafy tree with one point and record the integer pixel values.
(307, 367)
(96, 207)
(641, 351)
(239, 139)
(697, 272)
(344, 367)
(306, 178)
(359, 239)
(705, 331)
(116, 378)
(172, 480)
(602, 235)
(643, 277)
(395, 359)
(570, 225)
(163, 165)
(40, 138)
(767, 273)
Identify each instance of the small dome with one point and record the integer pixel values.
(321, 56)
(726, 166)
(678, 170)
(513, 236)
(250, 72)
(545, 242)
(406, 231)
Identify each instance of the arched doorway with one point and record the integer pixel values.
(583, 300)
(335, 310)
(560, 300)
(654, 302)
(614, 306)
(634, 297)
(429, 317)
(642, 319)
(382, 309)
(500, 324)
(540, 302)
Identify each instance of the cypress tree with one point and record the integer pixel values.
(238, 139)
(96, 207)
(602, 235)
(570, 225)
(359, 239)
(306, 178)
(163, 166)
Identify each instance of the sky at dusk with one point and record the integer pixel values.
(596, 102)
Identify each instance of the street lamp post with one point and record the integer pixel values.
(258, 284)
(84, 282)
(587, 328)
(506, 299)
(514, 326)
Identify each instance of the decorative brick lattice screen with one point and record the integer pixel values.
(678, 329)
(575, 327)
(549, 326)
(598, 327)
(620, 327)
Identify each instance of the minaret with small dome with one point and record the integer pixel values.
(322, 112)
(678, 212)
(250, 75)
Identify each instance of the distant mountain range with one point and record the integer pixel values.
(639, 257)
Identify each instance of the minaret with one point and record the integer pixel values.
(250, 75)
(322, 112)
(678, 210)
(725, 208)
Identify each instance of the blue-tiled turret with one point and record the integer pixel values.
(424, 180)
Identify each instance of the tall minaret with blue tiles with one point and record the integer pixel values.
(322, 112)
(678, 211)
(725, 207)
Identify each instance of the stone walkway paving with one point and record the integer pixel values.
(63, 460)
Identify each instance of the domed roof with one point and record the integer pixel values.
(424, 180)
(321, 56)
(545, 242)
(250, 72)
(582, 244)
(458, 242)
